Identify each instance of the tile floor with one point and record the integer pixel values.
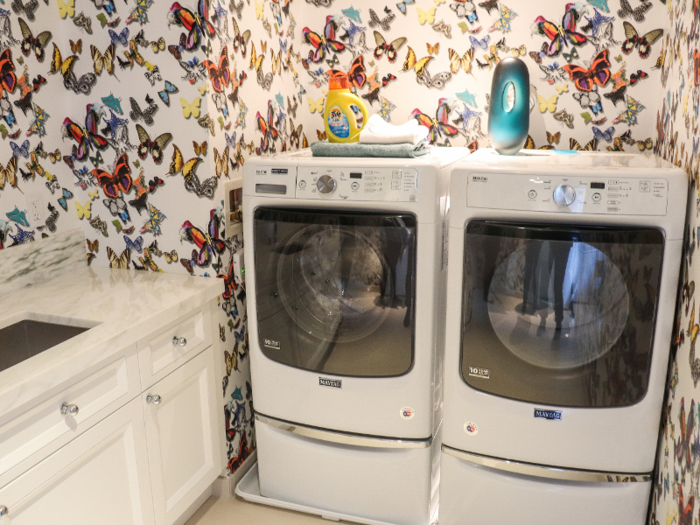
(238, 511)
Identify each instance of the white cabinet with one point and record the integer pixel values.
(182, 433)
(100, 477)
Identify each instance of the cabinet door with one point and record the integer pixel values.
(183, 442)
(100, 477)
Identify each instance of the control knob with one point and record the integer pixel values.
(326, 184)
(564, 195)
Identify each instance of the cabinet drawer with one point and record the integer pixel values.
(101, 477)
(43, 428)
(179, 342)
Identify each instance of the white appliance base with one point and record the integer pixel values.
(249, 489)
(472, 493)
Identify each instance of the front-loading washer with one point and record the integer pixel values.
(562, 280)
(345, 274)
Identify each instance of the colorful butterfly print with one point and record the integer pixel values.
(468, 98)
(165, 93)
(562, 35)
(120, 262)
(554, 139)
(503, 23)
(606, 135)
(483, 43)
(489, 5)
(155, 146)
(103, 61)
(465, 9)
(197, 24)
(153, 224)
(417, 65)
(402, 5)
(220, 75)
(637, 13)
(594, 24)
(325, 43)
(590, 146)
(562, 89)
(87, 137)
(374, 20)
(645, 144)
(66, 8)
(135, 245)
(439, 125)
(564, 117)
(353, 13)
(208, 243)
(8, 79)
(139, 14)
(589, 100)
(387, 108)
(530, 144)
(117, 207)
(636, 77)
(113, 103)
(93, 194)
(630, 114)
(270, 133)
(616, 96)
(158, 45)
(120, 179)
(22, 150)
(458, 61)
(547, 105)
(598, 73)
(119, 38)
(200, 149)
(9, 174)
(30, 42)
(190, 109)
(84, 210)
(67, 194)
(642, 43)
(178, 164)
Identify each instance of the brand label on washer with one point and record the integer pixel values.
(471, 428)
(483, 373)
(407, 413)
(479, 178)
(271, 343)
(554, 415)
(280, 171)
(334, 383)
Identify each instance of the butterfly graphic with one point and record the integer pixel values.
(547, 105)
(402, 5)
(637, 13)
(146, 115)
(8, 79)
(208, 243)
(155, 146)
(483, 43)
(564, 117)
(118, 180)
(200, 149)
(598, 73)
(562, 35)
(9, 174)
(590, 146)
(87, 137)
(165, 93)
(197, 24)
(190, 109)
(503, 23)
(425, 16)
(154, 222)
(387, 108)
(643, 43)
(374, 20)
(389, 49)
(29, 43)
(458, 61)
(84, 210)
(66, 8)
(323, 44)
(630, 114)
(113, 103)
(220, 75)
(419, 66)
(315, 105)
(270, 133)
(465, 9)
(67, 194)
(120, 262)
(240, 40)
(139, 14)
(135, 245)
(606, 135)
(103, 61)
(119, 38)
(616, 95)
(83, 22)
(438, 125)
(22, 150)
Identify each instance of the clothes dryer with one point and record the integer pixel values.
(562, 282)
(345, 272)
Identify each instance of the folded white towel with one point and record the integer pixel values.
(378, 131)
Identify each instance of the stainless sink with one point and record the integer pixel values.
(27, 338)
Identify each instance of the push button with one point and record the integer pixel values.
(532, 194)
(596, 197)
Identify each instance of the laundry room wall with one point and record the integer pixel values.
(677, 139)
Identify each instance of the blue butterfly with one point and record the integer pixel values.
(220, 14)
(62, 200)
(280, 100)
(240, 336)
(19, 217)
(600, 4)
(113, 103)
(165, 94)
(114, 122)
(402, 5)
(598, 20)
(107, 5)
(237, 394)
(23, 236)
(472, 17)
(483, 43)
(6, 110)
(4, 12)
(120, 38)
(135, 244)
(231, 140)
(352, 30)
(20, 150)
(283, 46)
(467, 98)
(353, 13)
(607, 134)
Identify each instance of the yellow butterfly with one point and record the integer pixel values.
(519, 50)
(315, 106)
(426, 16)
(276, 62)
(200, 149)
(84, 211)
(101, 61)
(190, 109)
(9, 173)
(203, 90)
(58, 64)
(547, 105)
(263, 47)
(259, 9)
(121, 261)
(464, 62)
(411, 63)
(463, 26)
(438, 2)
(255, 60)
(433, 50)
(55, 156)
(93, 194)
(170, 257)
(66, 8)
(561, 90)
(178, 164)
(158, 45)
(221, 162)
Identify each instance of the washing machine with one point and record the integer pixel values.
(345, 272)
(562, 280)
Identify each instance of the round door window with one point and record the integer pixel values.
(557, 304)
(333, 284)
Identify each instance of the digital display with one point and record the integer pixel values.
(597, 185)
(356, 175)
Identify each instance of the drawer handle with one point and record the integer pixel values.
(69, 410)
(4, 511)
(153, 399)
(179, 341)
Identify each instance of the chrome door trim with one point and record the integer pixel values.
(541, 471)
(357, 440)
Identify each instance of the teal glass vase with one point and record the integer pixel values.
(509, 108)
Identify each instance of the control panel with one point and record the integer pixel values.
(595, 193)
(357, 184)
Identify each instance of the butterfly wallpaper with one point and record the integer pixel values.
(126, 118)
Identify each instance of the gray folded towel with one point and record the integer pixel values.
(357, 149)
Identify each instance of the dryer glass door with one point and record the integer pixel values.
(335, 291)
(560, 315)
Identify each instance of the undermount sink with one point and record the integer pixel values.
(28, 337)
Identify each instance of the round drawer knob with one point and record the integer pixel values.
(4, 511)
(69, 410)
(155, 399)
(179, 341)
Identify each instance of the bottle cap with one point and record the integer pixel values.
(338, 81)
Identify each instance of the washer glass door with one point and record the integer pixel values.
(335, 290)
(560, 315)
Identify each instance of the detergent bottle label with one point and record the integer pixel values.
(338, 123)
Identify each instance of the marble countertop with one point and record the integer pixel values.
(123, 306)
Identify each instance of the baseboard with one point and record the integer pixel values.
(225, 485)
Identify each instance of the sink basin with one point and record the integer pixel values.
(29, 337)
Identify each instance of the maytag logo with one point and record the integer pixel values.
(477, 178)
(271, 343)
(483, 373)
(554, 415)
(333, 383)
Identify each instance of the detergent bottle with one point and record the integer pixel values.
(345, 114)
